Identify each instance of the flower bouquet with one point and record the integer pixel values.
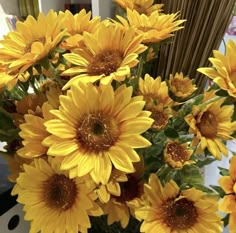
(95, 143)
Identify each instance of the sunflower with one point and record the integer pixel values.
(94, 135)
(33, 132)
(77, 24)
(141, 6)
(228, 203)
(210, 124)
(177, 154)
(52, 201)
(120, 208)
(112, 188)
(223, 71)
(32, 41)
(156, 27)
(181, 86)
(108, 54)
(172, 210)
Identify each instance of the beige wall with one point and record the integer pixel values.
(9, 7)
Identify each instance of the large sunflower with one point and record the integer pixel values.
(155, 28)
(228, 203)
(211, 124)
(141, 6)
(32, 41)
(33, 132)
(97, 127)
(172, 210)
(223, 71)
(53, 202)
(108, 54)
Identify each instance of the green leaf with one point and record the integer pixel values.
(226, 220)
(222, 93)
(202, 163)
(224, 171)
(171, 133)
(219, 190)
(203, 188)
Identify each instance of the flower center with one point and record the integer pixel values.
(208, 125)
(177, 152)
(233, 77)
(106, 62)
(180, 214)
(97, 132)
(60, 192)
(28, 47)
(160, 119)
(130, 189)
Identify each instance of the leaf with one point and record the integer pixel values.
(203, 188)
(171, 133)
(202, 163)
(219, 190)
(226, 220)
(223, 171)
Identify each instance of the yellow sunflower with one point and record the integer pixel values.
(33, 132)
(177, 154)
(172, 210)
(52, 201)
(112, 187)
(211, 124)
(155, 28)
(228, 203)
(94, 135)
(77, 24)
(108, 54)
(119, 208)
(141, 6)
(181, 86)
(223, 71)
(32, 41)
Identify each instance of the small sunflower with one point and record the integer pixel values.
(33, 132)
(94, 135)
(141, 6)
(112, 188)
(108, 54)
(228, 203)
(223, 71)
(154, 90)
(177, 155)
(181, 86)
(52, 201)
(119, 208)
(32, 41)
(211, 124)
(76, 24)
(172, 210)
(155, 28)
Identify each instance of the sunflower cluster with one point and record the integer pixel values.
(95, 140)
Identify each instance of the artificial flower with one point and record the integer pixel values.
(172, 210)
(223, 70)
(94, 130)
(108, 55)
(52, 201)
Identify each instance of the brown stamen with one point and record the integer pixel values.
(106, 62)
(180, 215)
(59, 192)
(208, 125)
(177, 152)
(97, 132)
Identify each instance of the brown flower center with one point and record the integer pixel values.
(28, 47)
(106, 62)
(180, 215)
(59, 192)
(130, 189)
(160, 119)
(177, 152)
(97, 132)
(208, 125)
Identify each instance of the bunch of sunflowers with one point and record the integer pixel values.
(95, 143)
